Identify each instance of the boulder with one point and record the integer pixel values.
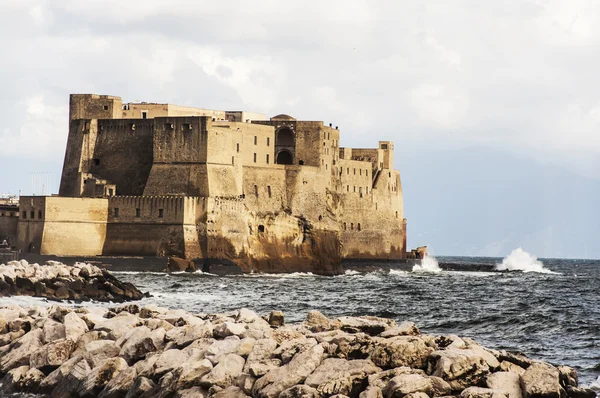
(229, 329)
(32, 380)
(246, 346)
(258, 329)
(295, 372)
(231, 392)
(288, 349)
(68, 386)
(52, 331)
(10, 382)
(259, 360)
(220, 348)
(75, 327)
(506, 366)
(184, 335)
(462, 368)
(404, 329)
(192, 372)
(508, 383)
(245, 315)
(99, 377)
(246, 382)
(478, 392)
(142, 386)
(276, 318)
(369, 325)
(170, 360)
(382, 379)
(119, 385)
(300, 391)
(568, 376)
(119, 325)
(177, 264)
(96, 352)
(50, 381)
(410, 351)
(21, 350)
(580, 392)
(541, 380)
(194, 392)
(225, 372)
(404, 384)
(139, 343)
(371, 392)
(339, 376)
(52, 355)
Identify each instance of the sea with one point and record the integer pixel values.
(548, 309)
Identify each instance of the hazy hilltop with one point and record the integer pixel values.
(479, 201)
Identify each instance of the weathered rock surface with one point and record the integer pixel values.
(57, 281)
(133, 351)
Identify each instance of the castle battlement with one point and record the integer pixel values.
(230, 185)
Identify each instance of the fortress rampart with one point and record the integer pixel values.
(270, 195)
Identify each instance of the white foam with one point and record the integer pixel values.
(351, 272)
(398, 272)
(429, 264)
(291, 275)
(520, 260)
(596, 384)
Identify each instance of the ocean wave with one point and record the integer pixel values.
(291, 275)
(429, 264)
(520, 260)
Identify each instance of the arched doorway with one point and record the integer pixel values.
(284, 157)
(285, 137)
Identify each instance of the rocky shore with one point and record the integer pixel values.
(147, 351)
(57, 281)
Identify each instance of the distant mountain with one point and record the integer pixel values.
(483, 202)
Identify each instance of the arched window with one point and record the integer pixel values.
(351, 225)
(344, 226)
(285, 136)
(358, 226)
(284, 157)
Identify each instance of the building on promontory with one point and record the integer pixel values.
(269, 195)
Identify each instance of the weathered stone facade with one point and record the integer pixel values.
(275, 195)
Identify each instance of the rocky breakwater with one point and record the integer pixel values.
(58, 281)
(134, 351)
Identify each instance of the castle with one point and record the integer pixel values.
(268, 195)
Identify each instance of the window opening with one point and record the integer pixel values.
(161, 213)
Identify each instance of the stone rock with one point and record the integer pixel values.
(371, 392)
(478, 392)
(508, 383)
(75, 327)
(288, 349)
(139, 342)
(580, 392)
(225, 372)
(516, 358)
(382, 379)
(192, 372)
(184, 335)
(416, 395)
(317, 322)
(231, 392)
(245, 315)
(506, 366)
(258, 329)
(119, 325)
(404, 384)
(145, 367)
(568, 376)
(276, 318)
(259, 360)
(245, 382)
(541, 380)
(170, 360)
(400, 351)
(462, 368)
(369, 325)
(48, 384)
(339, 376)
(295, 372)
(32, 380)
(52, 355)
(119, 385)
(10, 382)
(53, 330)
(246, 346)
(194, 392)
(99, 377)
(219, 348)
(177, 264)
(404, 329)
(300, 391)
(70, 384)
(20, 351)
(96, 352)
(141, 387)
(229, 329)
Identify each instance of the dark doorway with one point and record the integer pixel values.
(284, 157)
(285, 137)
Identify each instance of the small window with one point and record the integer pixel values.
(301, 162)
(344, 226)
(255, 140)
(105, 107)
(396, 214)
(261, 229)
(358, 226)
(96, 162)
(320, 217)
(269, 189)
(352, 225)
(325, 167)
(144, 114)
(347, 188)
(116, 212)
(355, 188)
(39, 214)
(328, 136)
(354, 171)
(32, 214)
(255, 158)
(256, 191)
(233, 160)
(390, 174)
(348, 170)
(138, 212)
(161, 213)
(268, 141)
(237, 147)
(24, 215)
(383, 146)
(267, 158)
(111, 192)
(360, 171)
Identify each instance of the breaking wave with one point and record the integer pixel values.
(520, 260)
(428, 264)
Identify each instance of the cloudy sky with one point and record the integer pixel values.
(515, 77)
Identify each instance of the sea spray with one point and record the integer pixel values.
(428, 264)
(520, 260)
